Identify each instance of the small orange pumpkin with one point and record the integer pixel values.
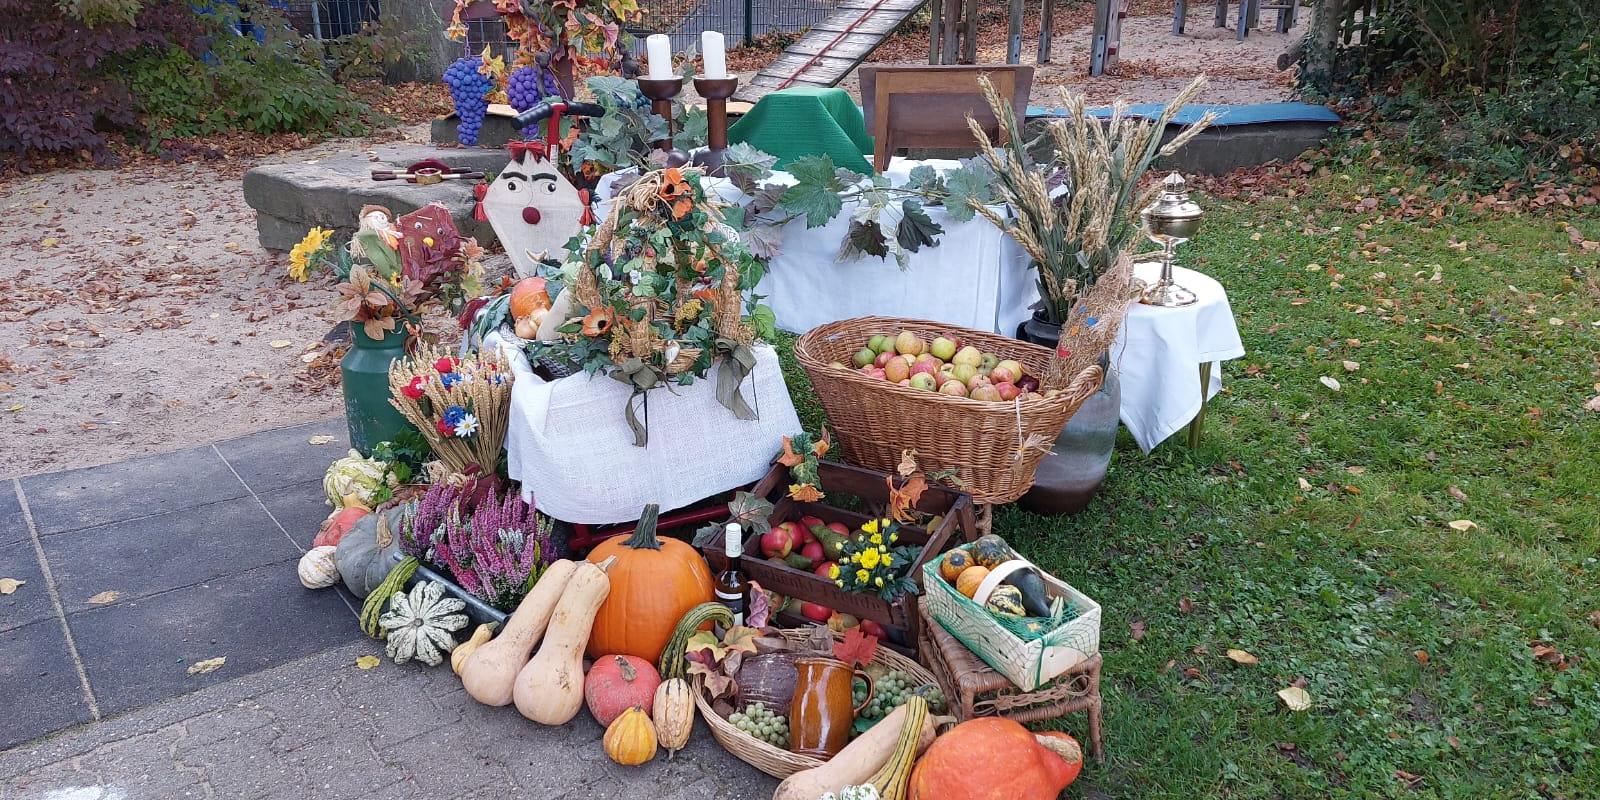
(654, 581)
(970, 578)
(528, 296)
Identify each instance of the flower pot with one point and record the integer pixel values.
(1071, 474)
(365, 372)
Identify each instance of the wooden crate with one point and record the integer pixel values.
(870, 488)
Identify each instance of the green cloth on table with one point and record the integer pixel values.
(807, 121)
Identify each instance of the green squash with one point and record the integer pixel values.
(1006, 600)
(991, 551)
(366, 553)
(1034, 596)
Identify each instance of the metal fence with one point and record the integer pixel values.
(328, 19)
(740, 20)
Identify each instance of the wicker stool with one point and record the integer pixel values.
(975, 690)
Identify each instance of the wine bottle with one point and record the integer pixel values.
(732, 587)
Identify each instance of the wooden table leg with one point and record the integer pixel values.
(1199, 421)
(1179, 8)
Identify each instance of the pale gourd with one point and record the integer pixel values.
(859, 761)
(490, 672)
(672, 711)
(317, 569)
(549, 689)
(421, 624)
(480, 637)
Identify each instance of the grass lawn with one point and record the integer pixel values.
(1475, 347)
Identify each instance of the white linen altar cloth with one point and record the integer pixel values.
(571, 447)
(1159, 352)
(975, 277)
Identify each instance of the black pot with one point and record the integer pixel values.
(1076, 467)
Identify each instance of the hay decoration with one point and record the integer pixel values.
(460, 405)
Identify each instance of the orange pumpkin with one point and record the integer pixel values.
(654, 581)
(991, 758)
(528, 296)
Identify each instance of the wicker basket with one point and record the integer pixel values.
(781, 764)
(993, 447)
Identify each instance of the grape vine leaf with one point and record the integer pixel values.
(924, 177)
(864, 237)
(745, 166)
(815, 193)
(916, 228)
(966, 186)
(763, 241)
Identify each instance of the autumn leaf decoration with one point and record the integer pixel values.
(676, 193)
(903, 498)
(801, 454)
(857, 648)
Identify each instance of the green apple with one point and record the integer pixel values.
(967, 356)
(881, 343)
(864, 356)
(987, 362)
(942, 348)
(954, 388)
(963, 372)
(923, 381)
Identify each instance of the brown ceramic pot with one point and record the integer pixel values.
(821, 713)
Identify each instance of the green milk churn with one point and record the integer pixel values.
(365, 370)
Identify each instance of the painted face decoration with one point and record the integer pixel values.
(534, 209)
(428, 240)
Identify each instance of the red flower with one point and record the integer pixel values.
(413, 390)
(446, 364)
(445, 428)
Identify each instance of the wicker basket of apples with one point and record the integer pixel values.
(984, 406)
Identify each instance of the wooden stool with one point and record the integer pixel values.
(973, 689)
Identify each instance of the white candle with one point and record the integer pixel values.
(716, 55)
(658, 49)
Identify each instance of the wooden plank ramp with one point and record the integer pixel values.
(832, 47)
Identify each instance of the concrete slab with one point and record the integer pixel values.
(291, 198)
(150, 555)
(138, 652)
(31, 601)
(139, 487)
(284, 457)
(13, 528)
(39, 687)
(299, 509)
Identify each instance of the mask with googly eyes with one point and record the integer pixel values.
(533, 208)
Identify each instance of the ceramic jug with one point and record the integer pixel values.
(821, 713)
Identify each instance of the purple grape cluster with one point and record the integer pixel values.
(528, 85)
(468, 89)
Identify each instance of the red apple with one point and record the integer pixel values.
(841, 622)
(815, 613)
(1004, 374)
(897, 370)
(812, 550)
(822, 569)
(1007, 390)
(776, 543)
(873, 628)
(954, 388)
(809, 521)
(883, 359)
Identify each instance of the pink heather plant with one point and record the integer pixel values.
(496, 552)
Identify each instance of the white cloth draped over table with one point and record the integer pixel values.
(975, 277)
(570, 445)
(1159, 352)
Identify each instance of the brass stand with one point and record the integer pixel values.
(661, 91)
(716, 92)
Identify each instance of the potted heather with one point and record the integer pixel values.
(487, 548)
(1076, 216)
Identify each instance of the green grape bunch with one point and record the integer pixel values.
(760, 722)
(890, 691)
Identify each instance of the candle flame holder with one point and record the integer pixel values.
(716, 92)
(661, 92)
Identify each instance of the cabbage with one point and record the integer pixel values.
(353, 475)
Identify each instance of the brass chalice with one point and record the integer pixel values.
(1170, 221)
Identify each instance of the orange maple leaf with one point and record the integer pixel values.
(805, 492)
(904, 499)
(789, 457)
(820, 448)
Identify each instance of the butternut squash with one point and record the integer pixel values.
(860, 760)
(549, 689)
(480, 637)
(490, 672)
(672, 712)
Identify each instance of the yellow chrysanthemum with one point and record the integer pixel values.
(878, 581)
(300, 255)
(833, 571)
(888, 560)
(876, 538)
(870, 526)
(870, 558)
(862, 575)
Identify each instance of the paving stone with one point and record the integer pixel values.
(31, 601)
(139, 651)
(80, 498)
(39, 689)
(145, 556)
(13, 526)
(299, 509)
(285, 457)
(244, 769)
(341, 766)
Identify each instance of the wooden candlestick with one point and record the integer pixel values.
(661, 91)
(716, 92)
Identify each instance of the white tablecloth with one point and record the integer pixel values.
(975, 277)
(571, 447)
(1159, 352)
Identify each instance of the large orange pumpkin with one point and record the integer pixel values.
(653, 582)
(991, 758)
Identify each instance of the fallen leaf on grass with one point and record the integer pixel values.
(1593, 404)
(1185, 605)
(1305, 485)
(1422, 657)
(1462, 525)
(107, 596)
(367, 662)
(1594, 618)
(1137, 628)
(1296, 698)
(208, 665)
(323, 439)
(1544, 653)
(1242, 657)
(279, 343)
(1411, 780)
(10, 585)
(1351, 366)
(1331, 383)
(1455, 491)
(1356, 470)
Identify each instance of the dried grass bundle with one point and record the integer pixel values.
(460, 405)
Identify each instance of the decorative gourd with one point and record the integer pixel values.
(1031, 588)
(991, 551)
(549, 689)
(630, 740)
(317, 570)
(653, 582)
(672, 712)
(859, 760)
(970, 579)
(953, 563)
(616, 683)
(489, 674)
(337, 525)
(672, 663)
(1006, 600)
(420, 624)
(992, 758)
(365, 554)
(892, 778)
(480, 637)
